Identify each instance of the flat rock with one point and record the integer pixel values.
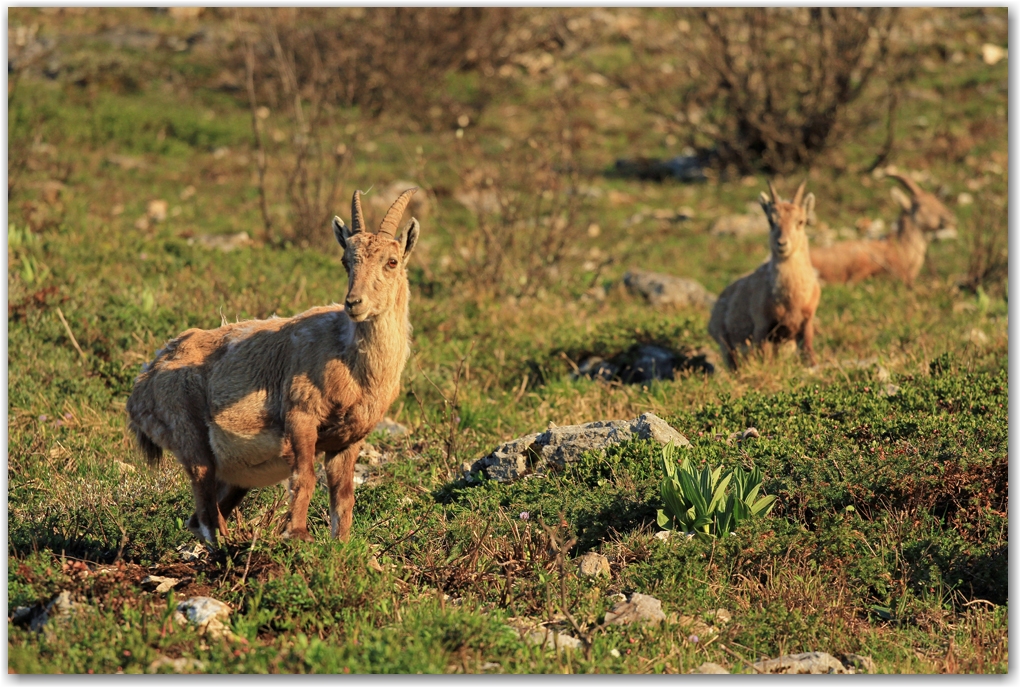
(666, 289)
(160, 584)
(36, 617)
(808, 663)
(557, 446)
(749, 224)
(639, 608)
(593, 564)
(222, 242)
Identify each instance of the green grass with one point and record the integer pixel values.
(889, 537)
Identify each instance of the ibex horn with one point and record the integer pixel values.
(396, 211)
(772, 191)
(357, 214)
(799, 195)
(909, 183)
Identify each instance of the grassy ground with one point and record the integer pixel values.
(890, 534)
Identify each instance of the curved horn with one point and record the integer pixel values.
(800, 192)
(396, 211)
(907, 182)
(357, 214)
(772, 190)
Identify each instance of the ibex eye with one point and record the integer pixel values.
(392, 262)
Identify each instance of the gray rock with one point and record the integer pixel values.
(390, 427)
(710, 668)
(642, 363)
(860, 663)
(192, 552)
(639, 608)
(809, 663)
(593, 564)
(36, 617)
(750, 224)
(550, 639)
(666, 289)
(558, 446)
(207, 614)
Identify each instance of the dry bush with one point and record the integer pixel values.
(388, 58)
(772, 87)
(988, 265)
(532, 211)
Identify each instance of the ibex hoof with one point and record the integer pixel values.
(303, 535)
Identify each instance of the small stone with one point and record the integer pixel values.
(178, 665)
(808, 663)
(663, 535)
(992, 54)
(890, 390)
(489, 665)
(157, 209)
(615, 653)
(640, 608)
(750, 433)
(860, 663)
(551, 639)
(710, 668)
(964, 199)
(593, 564)
(720, 616)
(160, 584)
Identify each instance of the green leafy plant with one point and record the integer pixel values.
(702, 502)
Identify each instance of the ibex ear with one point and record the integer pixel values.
(410, 237)
(900, 197)
(341, 232)
(765, 202)
(809, 208)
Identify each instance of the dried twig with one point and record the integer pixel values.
(67, 328)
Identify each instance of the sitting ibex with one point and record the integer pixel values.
(250, 404)
(901, 255)
(777, 301)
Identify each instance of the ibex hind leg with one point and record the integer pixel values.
(207, 521)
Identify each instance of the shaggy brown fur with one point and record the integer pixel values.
(250, 404)
(777, 301)
(901, 255)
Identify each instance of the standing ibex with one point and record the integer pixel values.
(901, 255)
(777, 301)
(250, 404)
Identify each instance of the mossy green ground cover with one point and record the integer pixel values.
(890, 534)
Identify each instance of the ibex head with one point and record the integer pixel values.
(375, 262)
(787, 220)
(927, 211)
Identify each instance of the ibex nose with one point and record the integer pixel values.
(351, 302)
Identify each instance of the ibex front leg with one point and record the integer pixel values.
(303, 433)
(340, 477)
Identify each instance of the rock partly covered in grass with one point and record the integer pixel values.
(557, 446)
(639, 608)
(36, 617)
(551, 639)
(593, 564)
(808, 663)
(666, 289)
(206, 613)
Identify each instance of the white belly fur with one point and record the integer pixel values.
(248, 460)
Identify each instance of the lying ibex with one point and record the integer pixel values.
(777, 301)
(901, 255)
(250, 404)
